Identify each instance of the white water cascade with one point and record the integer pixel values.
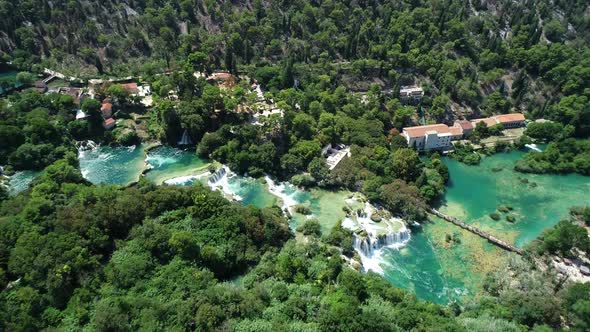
(533, 147)
(367, 245)
(218, 175)
(185, 139)
(372, 234)
(220, 180)
(87, 145)
(285, 191)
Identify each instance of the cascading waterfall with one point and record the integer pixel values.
(220, 180)
(374, 230)
(367, 245)
(218, 175)
(185, 139)
(533, 147)
(87, 145)
(280, 190)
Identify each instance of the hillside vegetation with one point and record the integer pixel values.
(484, 56)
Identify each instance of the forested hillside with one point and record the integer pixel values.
(81, 257)
(484, 55)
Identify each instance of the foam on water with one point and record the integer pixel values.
(287, 192)
(185, 180)
(222, 180)
(533, 147)
(371, 238)
(120, 165)
(161, 159)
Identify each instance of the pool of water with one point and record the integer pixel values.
(20, 181)
(538, 201)
(168, 163)
(10, 76)
(108, 165)
(429, 265)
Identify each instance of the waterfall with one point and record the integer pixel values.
(87, 145)
(367, 245)
(533, 147)
(370, 236)
(286, 192)
(218, 175)
(220, 180)
(185, 139)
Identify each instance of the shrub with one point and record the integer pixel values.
(495, 216)
(302, 209)
(311, 227)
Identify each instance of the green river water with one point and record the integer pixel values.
(428, 265)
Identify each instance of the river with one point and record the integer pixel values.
(432, 267)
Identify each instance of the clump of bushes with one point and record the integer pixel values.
(302, 209)
(311, 227)
(466, 154)
(495, 216)
(505, 208)
(523, 180)
(454, 239)
(376, 217)
(346, 210)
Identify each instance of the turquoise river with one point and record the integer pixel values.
(428, 265)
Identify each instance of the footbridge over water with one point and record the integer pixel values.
(500, 243)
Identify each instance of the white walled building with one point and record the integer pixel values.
(439, 136)
(431, 137)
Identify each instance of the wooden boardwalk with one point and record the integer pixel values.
(500, 243)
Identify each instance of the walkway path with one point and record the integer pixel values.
(500, 243)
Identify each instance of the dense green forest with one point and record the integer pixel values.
(79, 257)
(472, 58)
(74, 256)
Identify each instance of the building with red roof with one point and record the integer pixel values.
(107, 110)
(439, 136)
(109, 123)
(513, 120)
(131, 88)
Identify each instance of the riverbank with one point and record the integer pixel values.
(440, 262)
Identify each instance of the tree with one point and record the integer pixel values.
(199, 62)
(118, 93)
(319, 170)
(311, 227)
(304, 126)
(439, 107)
(405, 164)
(578, 306)
(554, 30)
(404, 200)
(24, 78)
(398, 142)
(91, 108)
(3, 192)
(481, 130)
(563, 237)
(548, 131)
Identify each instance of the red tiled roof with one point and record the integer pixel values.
(420, 131)
(130, 87)
(507, 118)
(464, 124)
(455, 131)
(106, 107)
(220, 76)
(488, 121)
